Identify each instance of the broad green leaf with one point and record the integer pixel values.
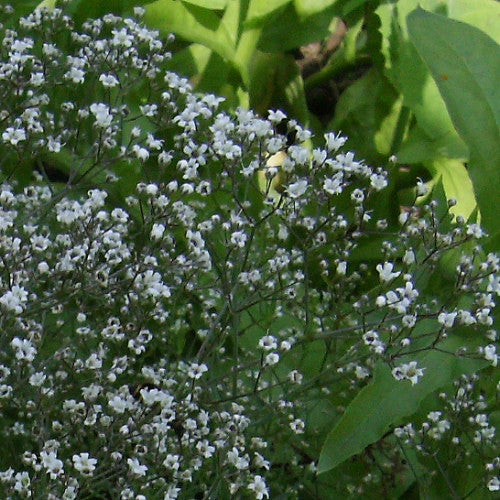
(48, 4)
(350, 6)
(307, 8)
(419, 147)
(287, 30)
(367, 112)
(409, 75)
(412, 78)
(231, 19)
(218, 78)
(208, 4)
(190, 61)
(259, 10)
(192, 23)
(386, 401)
(456, 184)
(483, 14)
(465, 64)
(276, 83)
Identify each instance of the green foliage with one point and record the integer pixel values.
(465, 65)
(415, 86)
(193, 23)
(386, 402)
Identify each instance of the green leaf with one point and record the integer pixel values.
(208, 4)
(465, 64)
(192, 23)
(419, 147)
(367, 112)
(307, 8)
(483, 14)
(259, 10)
(288, 31)
(409, 75)
(48, 4)
(456, 184)
(190, 61)
(386, 401)
(276, 83)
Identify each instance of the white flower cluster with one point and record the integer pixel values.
(445, 435)
(161, 320)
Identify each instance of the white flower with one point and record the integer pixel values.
(475, 231)
(241, 463)
(172, 462)
(370, 337)
(149, 109)
(24, 349)
(447, 319)
(14, 299)
(334, 142)
(276, 116)
(490, 354)
(51, 463)
(295, 377)
(483, 316)
(259, 487)
(196, 370)
(297, 426)
(319, 156)
(268, 343)
(153, 143)
(76, 75)
(84, 464)
(22, 483)
(385, 271)
(172, 493)
(122, 38)
(259, 461)
(205, 448)
(108, 80)
(271, 359)
(342, 268)
(333, 185)
(378, 181)
(239, 238)
(118, 404)
(403, 217)
(358, 196)
(299, 154)
(136, 468)
(361, 372)
(297, 189)
(409, 372)
(37, 79)
(14, 135)
(422, 189)
(409, 257)
(142, 154)
(103, 117)
(157, 231)
(37, 379)
(493, 284)
(494, 484)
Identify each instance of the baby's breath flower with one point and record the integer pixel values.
(297, 189)
(84, 464)
(258, 487)
(136, 468)
(386, 271)
(138, 327)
